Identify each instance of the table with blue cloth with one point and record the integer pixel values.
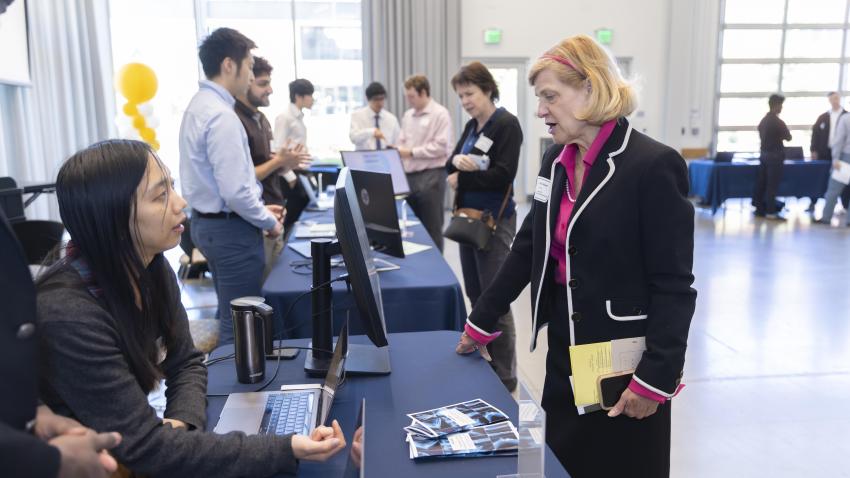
(424, 294)
(427, 373)
(715, 182)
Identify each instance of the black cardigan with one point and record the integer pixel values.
(21, 453)
(506, 133)
(87, 378)
(630, 245)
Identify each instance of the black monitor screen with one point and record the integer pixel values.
(377, 204)
(351, 233)
(380, 161)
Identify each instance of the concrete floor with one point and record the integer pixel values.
(768, 365)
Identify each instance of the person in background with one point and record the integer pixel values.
(823, 133)
(424, 146)
(373, 127)
(111, 318)
(218, 178)
(772, 132)
(289, 125)
(34, 441)
(608, 249)
(285, 191)
(840, 154)
(493, 133)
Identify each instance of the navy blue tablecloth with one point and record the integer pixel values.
(717, 182)
(426, 374)
(423, 295)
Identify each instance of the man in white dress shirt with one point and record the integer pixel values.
(373, 127)
(289, 125)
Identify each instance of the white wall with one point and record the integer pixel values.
(672, 44)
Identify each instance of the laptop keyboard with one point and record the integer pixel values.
(287, 413)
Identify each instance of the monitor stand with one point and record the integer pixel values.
(362, 359)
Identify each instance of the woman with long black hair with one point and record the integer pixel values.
(112, 325)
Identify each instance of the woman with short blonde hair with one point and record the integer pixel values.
(608, 250)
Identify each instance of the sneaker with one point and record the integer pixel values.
(822, 222)
(775, 217)
(758, 214)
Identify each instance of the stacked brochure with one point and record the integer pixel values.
(466, 429)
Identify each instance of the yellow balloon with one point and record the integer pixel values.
(154, 144)
(136, 82)
(130, 109)
(138, 121)
(147, 134)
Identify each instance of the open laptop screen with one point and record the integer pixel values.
(380, 161)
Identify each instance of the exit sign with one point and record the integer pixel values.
(493, 36)
(604, 36)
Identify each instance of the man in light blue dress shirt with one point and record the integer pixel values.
(217, 176)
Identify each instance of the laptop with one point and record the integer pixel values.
(379, 161)
(356, 466)
(303, 249)
(295, 409)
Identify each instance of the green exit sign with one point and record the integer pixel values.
(492, 36)
(604, 36)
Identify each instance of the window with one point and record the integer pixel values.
(319, 40)
(797, 48)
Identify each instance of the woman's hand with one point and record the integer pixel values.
(464, 163)
(452, 180)
(468, 345)
(633, 405)
(322, 444)
(174, 423)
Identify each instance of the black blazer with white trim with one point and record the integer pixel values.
(630, 244)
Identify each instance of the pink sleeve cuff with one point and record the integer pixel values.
(481, 337)
(647, 393)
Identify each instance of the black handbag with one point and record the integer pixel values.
(474, 227)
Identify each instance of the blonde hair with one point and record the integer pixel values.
(611, 96)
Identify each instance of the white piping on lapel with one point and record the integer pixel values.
(533, 343)
(611, 169)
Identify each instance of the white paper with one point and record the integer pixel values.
(461, 442)
(456, 416)
(527, 412)
(483, 162)
(842, 174)
(483, 144)
(407, 223)
(626, 353)
(542, 189)
(411, 248)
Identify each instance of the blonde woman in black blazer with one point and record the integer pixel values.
(608, 250)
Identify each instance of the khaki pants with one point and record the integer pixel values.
(273, 247)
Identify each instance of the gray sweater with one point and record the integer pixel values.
(85, 376)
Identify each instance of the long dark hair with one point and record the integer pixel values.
(96, 188)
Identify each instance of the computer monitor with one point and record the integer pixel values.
(380, 161)
(353, 244)
(377, 204)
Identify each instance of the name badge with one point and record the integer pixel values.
(543, 189)
(484, 143)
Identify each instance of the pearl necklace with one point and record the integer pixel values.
(567, 186)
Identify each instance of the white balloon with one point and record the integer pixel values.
(152, 121)
(145, 109)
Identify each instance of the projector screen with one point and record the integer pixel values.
(14, 52)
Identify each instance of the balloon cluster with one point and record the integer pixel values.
(137, 83)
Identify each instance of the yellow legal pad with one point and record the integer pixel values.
(588, 362)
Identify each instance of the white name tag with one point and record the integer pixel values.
(543, 189)
(484, 143)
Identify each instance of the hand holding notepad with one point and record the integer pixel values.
(589, 361)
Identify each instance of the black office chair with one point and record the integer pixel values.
(11, 199)
(38, 238)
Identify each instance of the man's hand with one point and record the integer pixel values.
(322, 444)
(405, 152)
(633, 405)
(84, 453)
(452, 180)
(379, 135)
(276, 210)
(49, 425)
(814, 155)
(836, 165)
(357, 447)
(276, 231)
(293, 156)
(464, 163)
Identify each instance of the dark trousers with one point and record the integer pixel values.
(767, 182)
(593, 445)
(427, 192)
(479, 268)
(845, 195)
(234, 252)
